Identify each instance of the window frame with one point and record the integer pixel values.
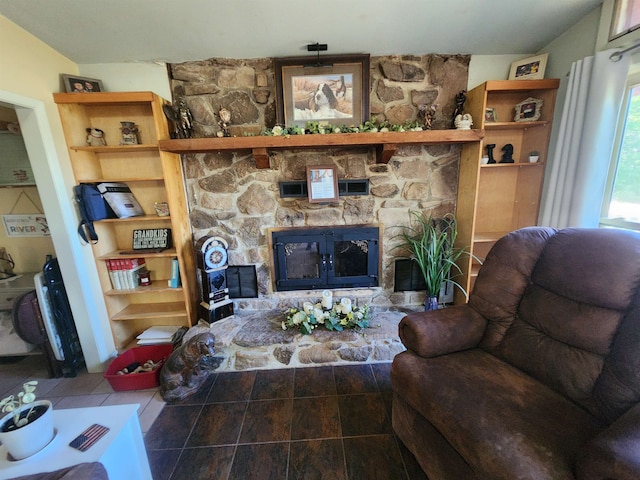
(615, 20)
(633, 80)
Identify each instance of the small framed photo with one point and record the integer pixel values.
(322, 184)
(531, 68)
(528, 110)
(490, 115)
(76, 84)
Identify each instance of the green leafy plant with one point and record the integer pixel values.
(340, 316)
(430, 243)
(13, 404)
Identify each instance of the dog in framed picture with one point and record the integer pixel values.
(322, 104)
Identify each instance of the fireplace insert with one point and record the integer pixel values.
(325, 257)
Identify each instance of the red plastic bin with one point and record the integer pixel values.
(137, 381)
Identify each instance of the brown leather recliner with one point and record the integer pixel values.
(538, 376)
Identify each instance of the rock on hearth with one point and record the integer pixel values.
(263, 333)
(317, 354)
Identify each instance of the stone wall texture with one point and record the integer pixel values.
(230, 197)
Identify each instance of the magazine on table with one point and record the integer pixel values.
(120, 199)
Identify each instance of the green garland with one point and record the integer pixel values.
(370, 126)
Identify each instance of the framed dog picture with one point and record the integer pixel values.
(332, 89)
(76, 84)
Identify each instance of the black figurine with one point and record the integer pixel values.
(181, 118)
(460, 99)
(490, 148)
(507, 156)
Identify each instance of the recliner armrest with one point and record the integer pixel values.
(438, 332)
(615, 452)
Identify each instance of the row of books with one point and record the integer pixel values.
(123, 272)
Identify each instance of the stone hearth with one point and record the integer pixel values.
(255, 340)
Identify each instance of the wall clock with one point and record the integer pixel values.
(212, 253)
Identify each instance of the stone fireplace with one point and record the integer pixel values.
(229, 196)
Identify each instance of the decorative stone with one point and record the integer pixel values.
(261, 95)
(401, 72)
(443, 181)
(389, 94)
(322, 335)
(193, 72)
(283, 354)
(424, 97)
(324, 216)
(400, 114)
(386, 190)
(239, 77)
(202, 219)
(250, 360)
(416, 191)
(385, 353)
(220, 183)
(317, 354)
(358, 210)
(191, 89)
(289, 217)
(217, 160)
(415, 169)
(256, 201)
(242, 108)
(360, 354)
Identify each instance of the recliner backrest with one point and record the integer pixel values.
(564, 306)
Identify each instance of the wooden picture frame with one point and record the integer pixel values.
(331, 89)
(322, 184)
(529, 68)
(490, 115)
(528, 110)
(78, 84)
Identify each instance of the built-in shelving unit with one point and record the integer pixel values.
(495, 199)
(153, 176)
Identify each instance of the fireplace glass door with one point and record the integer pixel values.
(339, 257)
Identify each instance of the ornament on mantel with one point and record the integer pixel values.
(463, 122)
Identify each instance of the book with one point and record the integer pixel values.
(120, 199)
(174, 281)
(123, 273)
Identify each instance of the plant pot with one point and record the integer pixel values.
(430, 303)
(34, 436)
(533, 158)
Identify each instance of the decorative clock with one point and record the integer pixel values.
(212, 253)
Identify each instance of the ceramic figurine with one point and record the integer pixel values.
(426, 115)
(460, 99)
(181, 118)
(490, 148)
(129, 133)
(223, 123)
(95, 137)
(463, 122)
(507, 156)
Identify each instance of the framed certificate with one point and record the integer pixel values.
(322, 184)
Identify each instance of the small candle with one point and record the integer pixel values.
(346, 305)
(327, 299)
(307, 307)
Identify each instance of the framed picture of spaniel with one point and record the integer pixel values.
(331, 89)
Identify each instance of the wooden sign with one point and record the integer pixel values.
(152, 238)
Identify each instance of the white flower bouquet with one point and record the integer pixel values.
(339, 316)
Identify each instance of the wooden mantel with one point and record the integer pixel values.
(386, 143)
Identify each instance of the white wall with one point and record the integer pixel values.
(29, 75)
(130, 77)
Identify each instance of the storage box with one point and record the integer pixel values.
(137, 381)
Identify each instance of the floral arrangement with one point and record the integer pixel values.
(371, 126)
(11, 404)
(332, 316)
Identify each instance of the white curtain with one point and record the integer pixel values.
(576, 182)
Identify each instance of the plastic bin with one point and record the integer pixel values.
(137, 381)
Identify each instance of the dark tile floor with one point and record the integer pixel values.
(303, 423)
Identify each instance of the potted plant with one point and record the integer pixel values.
(534, 155)
(28, 427)
(430, 243)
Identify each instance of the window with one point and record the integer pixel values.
(626, 18)
(622, 202)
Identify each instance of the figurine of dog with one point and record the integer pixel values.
(188, 367)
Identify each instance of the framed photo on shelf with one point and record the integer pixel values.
(322, 184)
(332, 89)
(490, 115)
(528, 110)
(531, 68)
(77, 84)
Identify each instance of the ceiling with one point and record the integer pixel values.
(174, 31)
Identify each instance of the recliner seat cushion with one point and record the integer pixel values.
(504, 423)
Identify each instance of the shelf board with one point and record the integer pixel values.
(515, 125)
(142, 218)
(104, 98)
(521, 85)
(138, 311)
(120, 180)
(487, 237)
(386, 143)
(158, 286)
(115, 148)
(511, 165)
(170, 252)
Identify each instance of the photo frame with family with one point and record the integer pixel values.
(333, 89)
(490, 115)
(322, 184)
(531, 68)
(78, 84)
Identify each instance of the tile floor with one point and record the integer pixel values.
(301, 423)
(84, 390)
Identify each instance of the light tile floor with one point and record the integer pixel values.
(84, 390)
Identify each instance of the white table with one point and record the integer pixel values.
(121, 450)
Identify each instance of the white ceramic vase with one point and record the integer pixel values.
(33, 437)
